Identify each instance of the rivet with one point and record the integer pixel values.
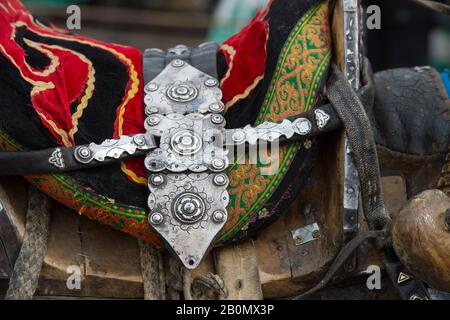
(152, 86)
(151, 110)
(218, 164)
(177, 63)
(217, 119)
(156, 218)
(152, 121)
(84, 152)
(304, 126)
(211, 82)
(216, 107)
(220, 179)
(139, 140)
(157, 179)
(238, 136)
(218, 216)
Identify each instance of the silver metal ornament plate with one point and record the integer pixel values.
(188, 211)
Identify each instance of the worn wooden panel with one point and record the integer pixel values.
(273, 260)
(108, 259)
(286, 268)
(111, 261)
(14, 195)
(64, 250)
(237, 265)
(12, 215)
(394, 192)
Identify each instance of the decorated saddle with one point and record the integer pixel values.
(138, 141)
(67, 90)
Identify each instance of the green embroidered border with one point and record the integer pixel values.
(292, 149)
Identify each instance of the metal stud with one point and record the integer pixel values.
(303, 126)
(83, 154)
(183, 92)
(156, 218)
(151, 110)
(139, 140)
(238, 136)
(148, 99)
(211, 82)
(218, 164)
(218, 216)
(217, 119)
(220, 179)
(154, 50)
(152, 120)
(157, 179)
(152, 87)
(216, 107)
(177, 63)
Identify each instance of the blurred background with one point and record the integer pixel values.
(410, 35)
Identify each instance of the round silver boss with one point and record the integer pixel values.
(188, 207)
(151, 110)
(156, 218)
(219, 216)
(183, 92)
(186, 142)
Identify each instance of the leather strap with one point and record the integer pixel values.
(62, 159)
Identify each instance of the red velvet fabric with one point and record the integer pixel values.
(246, 55)
(55, 90)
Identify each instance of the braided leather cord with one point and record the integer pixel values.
(361, 139)
(25, 276)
